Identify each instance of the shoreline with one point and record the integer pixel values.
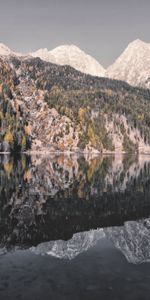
(96, 153)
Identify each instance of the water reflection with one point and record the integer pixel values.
(132, 239)
(78, 227)
(45, 198)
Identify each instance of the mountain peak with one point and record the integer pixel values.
(70, 47)
(138, 44)
(42, 50)
(73, 56)
(4, 50)
(133, 65)
(137, 41)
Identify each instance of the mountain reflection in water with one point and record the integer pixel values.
(49, 198)
(74, 227)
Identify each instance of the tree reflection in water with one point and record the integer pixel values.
(52, 197)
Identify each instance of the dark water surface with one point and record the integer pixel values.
(74, 227)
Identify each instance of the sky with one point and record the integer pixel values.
(102, 28)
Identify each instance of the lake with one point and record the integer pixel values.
(74, 227)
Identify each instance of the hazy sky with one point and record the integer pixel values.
(102, 28)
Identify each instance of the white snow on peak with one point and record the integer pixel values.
(4, 50)
(73, 56)
(133, 65)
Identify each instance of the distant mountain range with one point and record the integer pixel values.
(63, 55)
(53, 107)
(72, 56)
(133, 65)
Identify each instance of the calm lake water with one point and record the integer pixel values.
(74, 227)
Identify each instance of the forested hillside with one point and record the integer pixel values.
(69, 110)
(14, 127)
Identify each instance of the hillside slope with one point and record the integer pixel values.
(72, 111)
(14, 125)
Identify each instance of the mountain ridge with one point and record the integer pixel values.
(73, 56)
(62, 55)
(132, 66)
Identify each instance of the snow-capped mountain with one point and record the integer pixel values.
(5, 51)
(72, 56)
(133, 66)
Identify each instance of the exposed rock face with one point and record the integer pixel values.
(52, 131)
(133, 66)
